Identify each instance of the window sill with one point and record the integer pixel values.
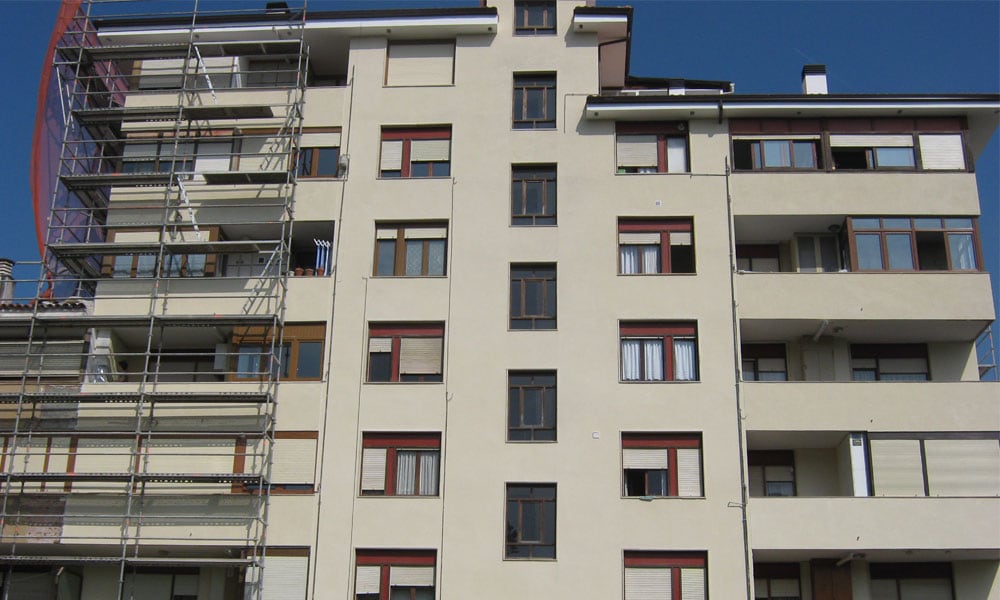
(429, 85)
(656, 274)
(553, 128)
(526, 559)
(409, 277)
(320, 177)
(436, 177)
(516, 226)
(655, 498)
(509, 330)
(396, 496)
(656, 173)
(518, 442)
(403, 382)
(672, 381)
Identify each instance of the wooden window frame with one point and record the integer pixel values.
(670, 442)
(394, 443)
(878, 352)
(913, 231)
(756, 149)
(663, 227)
(521, 275)
(522, 12)
(513, 543)
(666, 332)
(546, 382)
(521, 177)
(212, 233)
(523, 82)
(662, 559)
(386, 559)
(662, 130)
(293, 335)
(752, 352)
(407, 135)
(308, 162)
(397, 332)
(400, 247)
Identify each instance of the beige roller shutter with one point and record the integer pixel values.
(689, 472)
(692, 584)
(392, 155)
(637, 151)
(420, 356)
(213, 157)
(367, 580)
(645, 458)
(638, 238)
(425, 233)
(416, 576)
(201, 456)
(63, 357)
(680, 238)
(430, 150)
(103, 456)
(871, 141)
(380, 345)
(293, 460)
(897, 468)
(647, 584)
(284, 578)
(420, 64)
(925, 589)
(373, 469)
(942, 152)
(884, 589)
(160, 73)
(963, 467)
(320, 140)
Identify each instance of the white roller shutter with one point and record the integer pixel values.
(415, 576)
(647, 584)
(293, 460)
(430, 150)
(392, 155)
(213, 157)
(420, 64)
(925, 589)
(202, 456)
(637, 151)
(871, 141)
(645, 458)
(689, 472)
(284, 578)
(420, 356)
(963, 467)
(692, 584)
(639, 238)
(368, 580)
(942, 152)
(425, 233)
(320, 140)
(373, 469)
(677, 155)
(380, 345)
(897, 468)
(680, 238)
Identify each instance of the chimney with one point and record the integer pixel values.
(814, 79)
(6, 280)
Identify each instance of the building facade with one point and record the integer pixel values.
(443, 303)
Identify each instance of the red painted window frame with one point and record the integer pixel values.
(666, 441)
(662, 130)
(662, 226)
(665, 331)
(662, 559)
(398, 331)
(407, 135)
(389, 558)
(393, 443)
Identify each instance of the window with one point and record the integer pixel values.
(776, 581)
(872, 151)
(961, 464)
(421, 152)
(299, 357)
(420, 63)
(534, 17)
(911, 581)
(531, 406)
(318, 162)
(777, 154)
(649, 247)
(531, 521)
(410, 249)
(661, 464)
(667, 575)
(889, 362)
(157, 584)
(533, 195)
(534, 101)
(771, 472)
(764, 362)
(406, 352)
(532, 296)
(179, 155)
(817, 253)
(658, 351)
(394, 575)
(657, 147)
(400, 464)
(758, 258)
(917, 243)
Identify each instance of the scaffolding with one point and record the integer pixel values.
(136, 435)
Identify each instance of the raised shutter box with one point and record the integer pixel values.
(680, 238)
(897, 468)
(425, 233)
(320, 140)
(420, 64)
(941, 152)
(963, 467)
(373, 469)
(871, 141)
(639, 238)
(647, 584)
(430, 150)
(637, 151)
(645, 458)
(415, 576)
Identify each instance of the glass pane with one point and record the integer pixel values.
(550, 298)
(420, 169)
(248, 361)
(807, 253)
(435, 257)
(172, 268)
(414, 257)
(900, 251)
(514, 408)
(926, 223)
(518, 103)
(865, 223)
(305, 161)
(535, 15)
(310, 360)
(895, 223)
(776, 153)
(380, 366)
(532, 407)
(863, 375)
(196, 265)
(531, 522)
(963, 256)
(780, 488)
(550, 103)
(869, 252)
(549, 409)
(958, 223)
(656, 483)
(804, 156)
(442, 168)
(534, 108)
(327, 161)
(773, 376)
(145, 266)
(386, 257)
(828, 253)
(533, 290)
(533, 197)
(516, 310)
(122, 266)
(549, 519)
(748, 370)
(894, 157)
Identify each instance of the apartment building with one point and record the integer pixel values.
(444, 303)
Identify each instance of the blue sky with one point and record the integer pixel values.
(868, 47)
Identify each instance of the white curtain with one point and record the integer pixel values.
(650, 259)
(630, 260)
(428, 473)
(631, 355)
(406, 471)
(653, 355)
(684, 361)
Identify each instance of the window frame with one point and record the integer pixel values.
(662, 130)
(110, 263)
(512, 535)
(884, 231)
(395, 443)
(881, 352)
(309, 159)
(667, 332)
(664, 559)
(899, 572)
(760, 461)
(292, 336)
(769, 572)
(400, 245)
(754, 352)
(671, 442)
(758, 154)
(927, 480)
(407, 135)
(664, 228)
(397, 332)
(522, 9)
(386, 559)
(537, 380)
(534, 273)
(752, 251)
(520, 115)
(521, 176)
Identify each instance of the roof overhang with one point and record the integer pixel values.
(613, 26)
(981, 110)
